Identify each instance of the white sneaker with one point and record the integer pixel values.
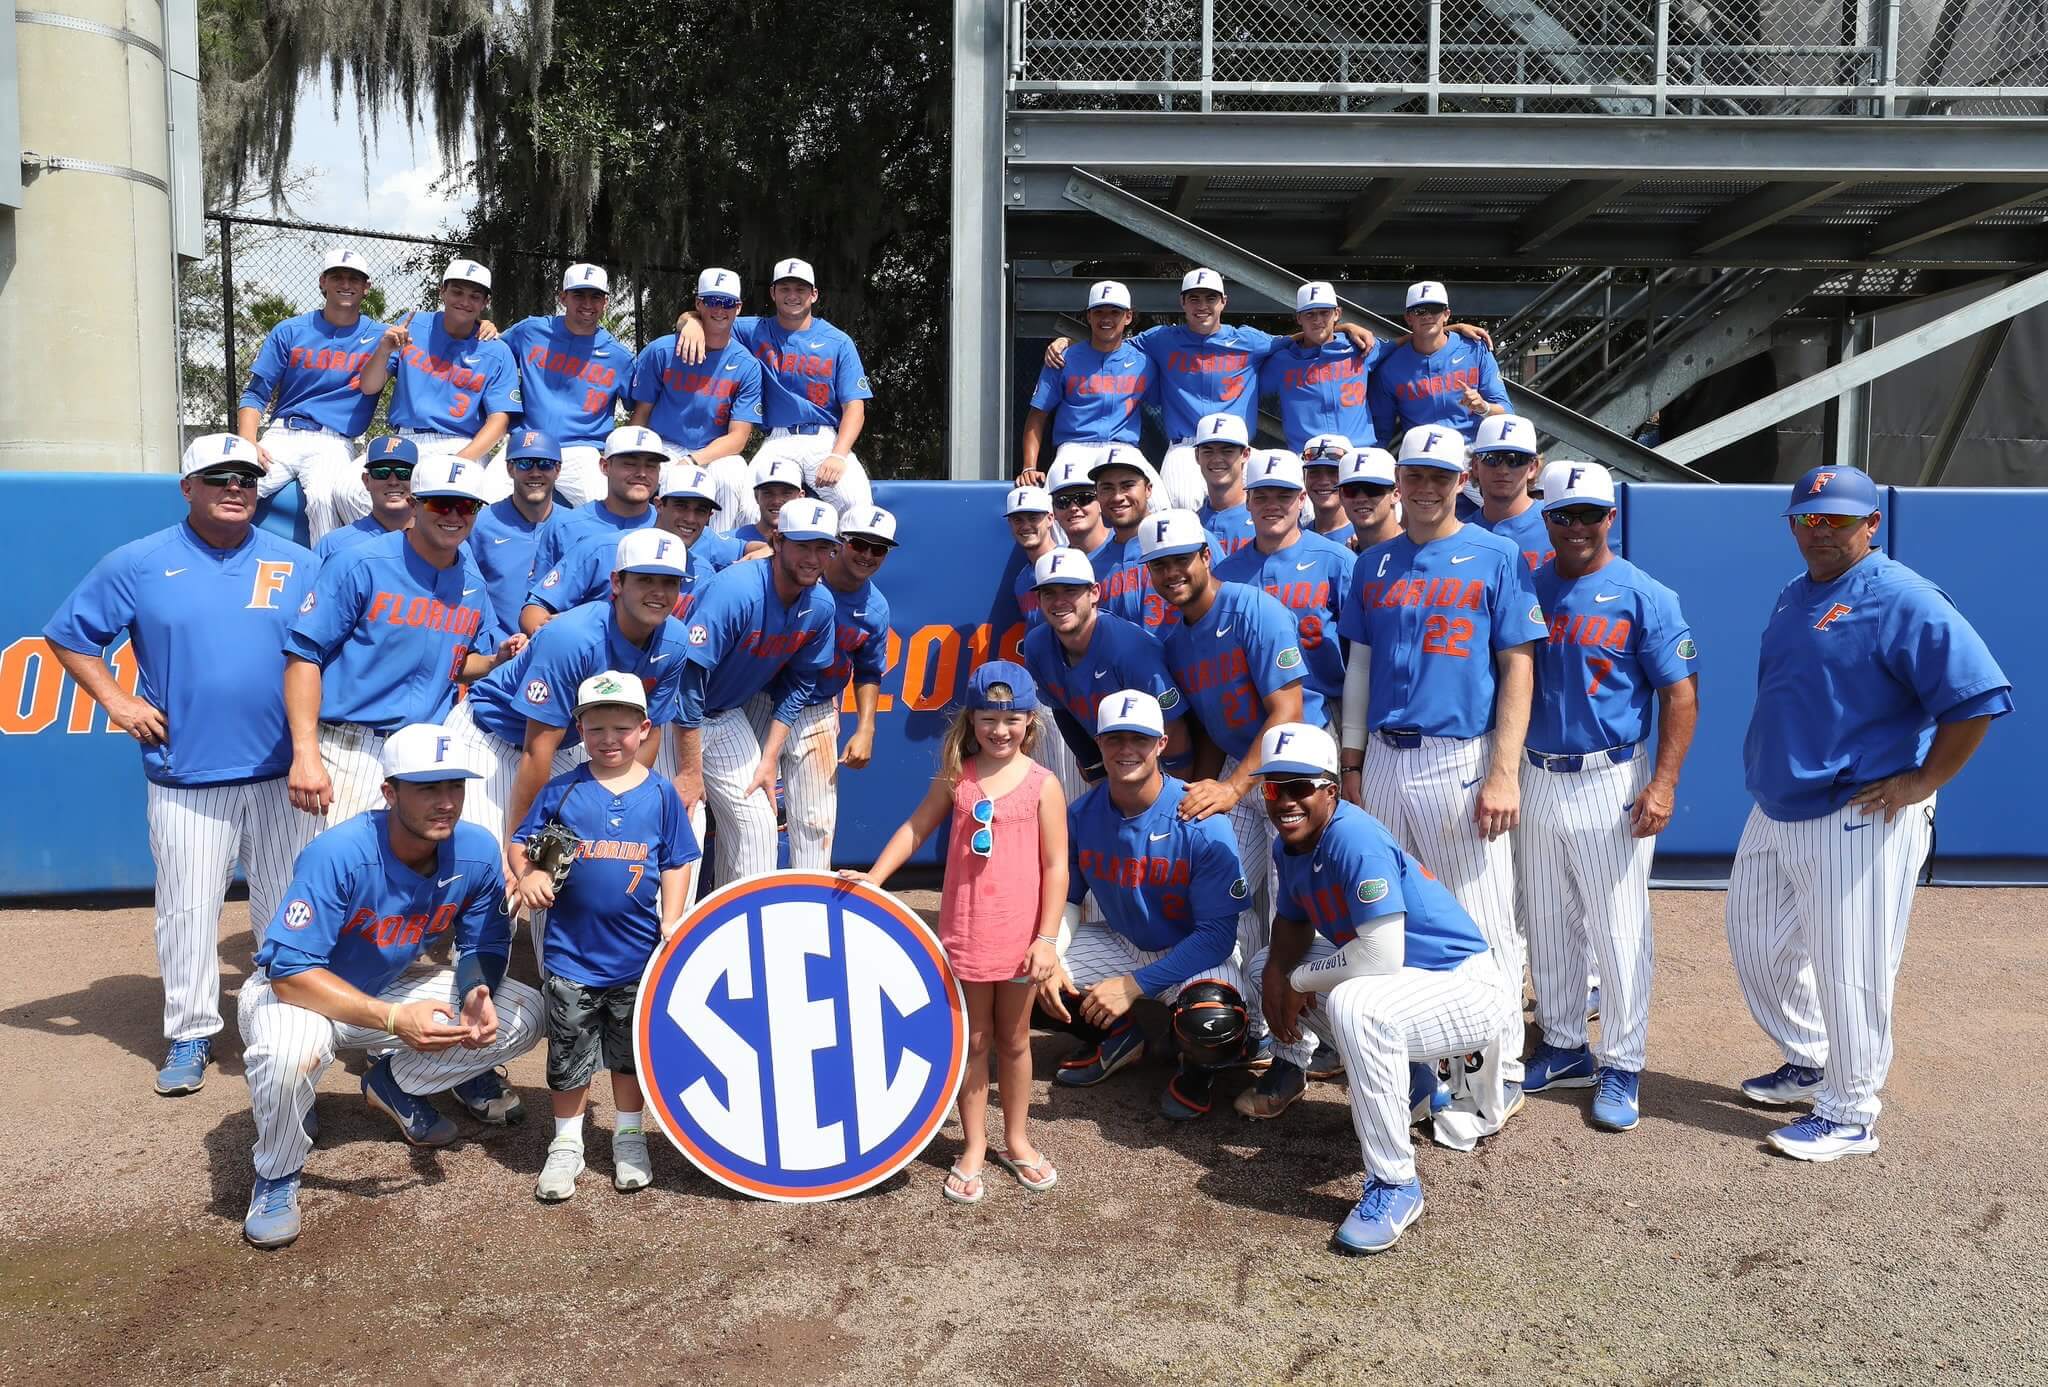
(558, 1177)
(631, 1167)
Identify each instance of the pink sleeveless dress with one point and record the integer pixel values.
(988, 908)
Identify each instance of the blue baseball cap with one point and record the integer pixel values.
(532, 443)
(391, 449)
(1023, 688)
(1831, 490)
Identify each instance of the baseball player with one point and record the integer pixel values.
(1124, 486)
(1236, 658)
(1593, 805)
(204, 604)
(517, 725)
(1435, 376)
(1365, 484)
(507, 532)
(1027, 510)
(1322, 458)
(633, 459)
(388, 631)
(816, 388)
(1505, 462)
(573, 375)
(452, 391)
(1076, 511)
(1221, 450)
(685, 511)
(1872, 693)
(387, 479)
(305, 376)
(1370, 953)
(777, 482)
(757, 627)
(1169, 890)
(1450, 619)
(1092, 396)
(1305, 573)
(1319, 378)
(705, 410)
(366, 899)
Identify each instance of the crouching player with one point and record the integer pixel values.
(625, 891)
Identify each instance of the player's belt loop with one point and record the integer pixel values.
(1405, 738)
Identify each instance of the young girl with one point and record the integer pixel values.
(999, 914)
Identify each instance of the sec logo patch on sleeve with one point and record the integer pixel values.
(699, 636)
(537, 692)
(298, 914)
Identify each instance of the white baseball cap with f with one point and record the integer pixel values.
(1317, 293)
(342, 258)
(468, 272)
(1201, 279)
(1130, 710)
(718, 283)
(652, 550)
(426, 751)
(1428, 293)
(1108, 294)
(796, 269)
(210, 452)
(586, 277)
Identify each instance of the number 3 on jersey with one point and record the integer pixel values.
(1442, 635)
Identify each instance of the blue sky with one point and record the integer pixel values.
(380, 181)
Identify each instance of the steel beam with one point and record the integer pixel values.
(1554, 44)
(1845, 434)
(1958, 207)
(1565, 209)
(1186, 193)
(1976, 375)
(1487, 301)
(1241, 266)
(1762, 148)
(1997, 307)
(1767, 206)
(1371, 209)
(978, 386)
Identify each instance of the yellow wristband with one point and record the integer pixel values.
(391, 1018)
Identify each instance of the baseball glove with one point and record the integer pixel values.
(554, 850)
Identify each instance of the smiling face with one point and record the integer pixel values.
(583, 309)
(1222, 464)
(390, 498)
(441, 523)
(1298, 808)
(685, 517)
(343, 290)
(1275, 510)
(1066, 607)
(535, 483)
(645, 598)
(793, 299)
(1579, 545)
(1203, 309)
(998, 732)
(222, 497)
(771, 497)
(612, 732)
(1106, 325)
(1322, 487)
(1130, 759)
(1318, 325)
(861, 556)
(1180, 578)
(631, 479)
(718, 313)
(1032, 530)
(427, 809)
(1503, 477)
(1124, 495)
(802, 561)
(1366, 503)
(1079, 513)
(1428, 494)
(462, 303)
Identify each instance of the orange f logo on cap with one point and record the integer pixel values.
(1820, 480)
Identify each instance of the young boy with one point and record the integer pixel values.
(625, 892)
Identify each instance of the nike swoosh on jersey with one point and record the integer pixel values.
(506, 540)
(467, 591)
(1317, 868)
(1100, 674)
(1851, 828)
(361, 340)
(1605, 596)
(659, 658)
(1304, 567)
(1223, 630)
(1462, 558)
(445, 880)
(1157, 836)
(172, 572)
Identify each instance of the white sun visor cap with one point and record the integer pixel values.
(1505, 433)
(633, 438)
(1169, 532)
(1063, 568)
(1296, 748)
(1428, 293)
(1317, 293)
(1028, 500)
(679, 480)
(794, 268)
(470, 272)
(1123, 455)
(1433, 445)
(211, 451)
(1201, 279)
(1577, 484)
(1274, 467)
(426, 751)
(870, 523)
(586, 277)
(1108, 294)
(611, 689)
(805, 520)
(342, 258)
(1374, 465)
(652, 551)
(1222, 428)
(1130, 710)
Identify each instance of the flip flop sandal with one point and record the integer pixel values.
(968, 1180)
(1017, 1168)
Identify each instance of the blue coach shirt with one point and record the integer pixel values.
(1228, 662)
(571, 386)
(1164, 883)
(1616, 636)
(1356, 874)
(312, 370)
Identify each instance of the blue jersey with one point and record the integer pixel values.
(1119, 656)
(747, 640)
(1022, 588)
(540, 682)
(1616, 637)
(348, 537)
(354, 909)
(312, 370)
(809, 375)
(390, 632)
(1408, 389)
(567, 528)
(861, 652)
(502, 543)
(451, 384)
(1094, 396)
(1124, 584)
(570, 385)
(1322, 389)
(1341, 536)
(1196, 375)
(206, 627)
(1228, 662)
(1164, 883)
(1851, 680)
(606, 920)
(1356, 874)
(1231, 528)
(1311, 578)
(1434, 617)
(695, 405)
(1527, 532)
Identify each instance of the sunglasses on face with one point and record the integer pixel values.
(386, 471)
(867, 547)
(1503, 459)
(1277, 790)
(1578, 516)
(1370, 491)
(718, 301)
(452, 505)
(1073, 500)
(984, 841)
(227, 481)
(1833, 522)
(534, 464)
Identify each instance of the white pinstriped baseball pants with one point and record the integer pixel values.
(321, 462)
(1425, 796)
(1254, 834)
(1056, 756)
(1180, 481)
(487, 801)
(731, 753)
(808, 448)
(1816, 920)
(354, 757)
(1382, 1024)
(1097, 952)
(581, 479)
(809, 770)
(196, 836)
(1584, 885)
(287, 1048)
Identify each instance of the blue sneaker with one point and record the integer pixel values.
(1124, 1045)
(1277, 1090)
(273, 1217)
(1814, 1138)
(1428, 1094)
(1258, 1053)
(419, 1122)
(488, 1100)
(1551, 1067)
(1783, 1086)
(1381, 1216)
(1187, 1093)
(1325, 1063)
(184, 1068)
(1616, 1106)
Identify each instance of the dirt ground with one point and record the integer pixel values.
(1680, 1253)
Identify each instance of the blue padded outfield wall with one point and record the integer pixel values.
(73, 811)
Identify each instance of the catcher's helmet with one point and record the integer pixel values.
(1209, 1023)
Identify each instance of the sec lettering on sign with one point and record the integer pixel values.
(800, 1038)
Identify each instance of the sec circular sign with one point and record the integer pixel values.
(800, 1037)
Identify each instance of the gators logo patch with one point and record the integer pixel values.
(1372, 889)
